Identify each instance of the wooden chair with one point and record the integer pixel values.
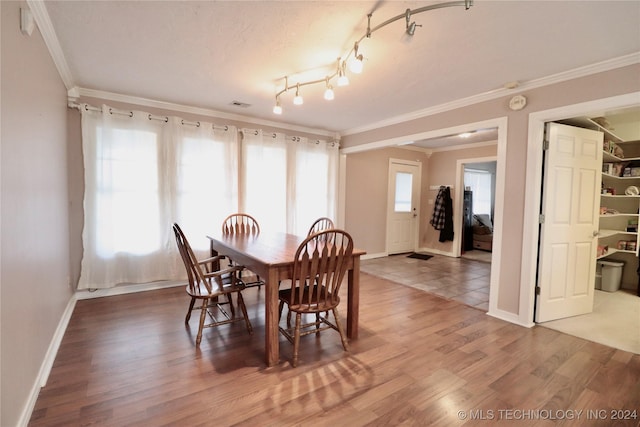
(319, 267)
(241, 223)
(208, 284)
(320, 224)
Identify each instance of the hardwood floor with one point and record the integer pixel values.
(420, 360)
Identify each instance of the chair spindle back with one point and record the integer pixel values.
(319, 267)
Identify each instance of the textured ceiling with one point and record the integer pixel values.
(210, 54)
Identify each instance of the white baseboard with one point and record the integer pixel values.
(47, 363)
(126, 289)
(509, 317)
(372, 256)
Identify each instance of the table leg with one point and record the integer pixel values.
(272, 342)
(353, 299)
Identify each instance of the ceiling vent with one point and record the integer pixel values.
(240, 104)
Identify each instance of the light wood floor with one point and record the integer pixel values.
(420, 360)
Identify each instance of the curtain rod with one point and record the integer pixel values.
(165, 119)
(287, 137)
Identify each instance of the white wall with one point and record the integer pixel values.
(34, 265)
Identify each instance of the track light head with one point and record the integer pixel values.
(411, 28)
(297, 100)
(328, 93)
(343, 80)
(277, 109)
(356, 64)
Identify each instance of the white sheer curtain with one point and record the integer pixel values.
(480, 182)
(206, 179)
(141, 175)
(264, 178)
(288, 182)
(314, 183)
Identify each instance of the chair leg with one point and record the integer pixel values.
(203, 315)
(317, 324)
(296, 339)
(244, 312)
(193, 301)
(231, 308)
(280, 307)
(343, 337)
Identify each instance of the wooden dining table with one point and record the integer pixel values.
(271, 256)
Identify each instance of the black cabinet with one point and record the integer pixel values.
(467, 226)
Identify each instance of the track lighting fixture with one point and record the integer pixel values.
(356, 61)
(328, 92)
(297, 100)
(343, 80)
(410, 28)
(277, 109)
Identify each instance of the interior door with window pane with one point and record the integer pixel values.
(403, 206)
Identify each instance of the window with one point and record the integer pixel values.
(288, 182)
(127, 193)
(265, 181)
(141, 175)
(404, 182)
(480, 182)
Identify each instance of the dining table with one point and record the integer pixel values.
(271, 256)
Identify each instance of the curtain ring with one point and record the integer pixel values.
(149, 116)
(198, 125)
(255, 133)
(166, 119)
(226, 128)
(110, 110)
(317, 141)
(274, 135)
(130, 113)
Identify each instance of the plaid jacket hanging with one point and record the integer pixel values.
(437, 219)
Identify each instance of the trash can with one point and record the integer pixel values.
(611, 275)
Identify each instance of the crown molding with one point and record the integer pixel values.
(465, 146)
(77, 92)
(45, 26)
(587, 70)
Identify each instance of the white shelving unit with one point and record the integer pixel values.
(614, 227)
(626, 208)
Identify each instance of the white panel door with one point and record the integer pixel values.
(568, 234)
(403, 205)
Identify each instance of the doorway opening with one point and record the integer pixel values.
(478, 206)
(499, 127)
(533, 200)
